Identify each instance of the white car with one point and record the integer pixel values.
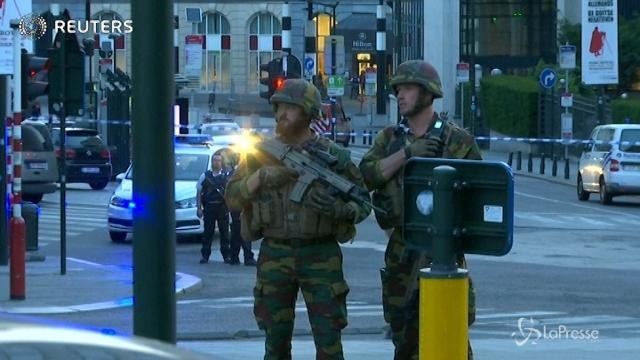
(610, 163)
(222, 132)
(191, 162)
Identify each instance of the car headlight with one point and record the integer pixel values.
(186, 203)
(119, 202)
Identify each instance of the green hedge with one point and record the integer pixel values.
(510, 104)
(623, 108)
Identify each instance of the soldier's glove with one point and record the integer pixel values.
(273, 177)
(424, 147)
(322, 201)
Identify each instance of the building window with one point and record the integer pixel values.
(323, 31)
(265, 44)
(216, 62)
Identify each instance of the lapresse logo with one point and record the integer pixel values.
(35, 26)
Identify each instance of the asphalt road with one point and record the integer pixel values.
(572, 263)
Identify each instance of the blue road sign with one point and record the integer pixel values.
(308, 63)
(548, 78)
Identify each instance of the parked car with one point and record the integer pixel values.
(190, 162)
(343, 127)
(222, 132)
(40, 167)
(88, 157)
(610, 163)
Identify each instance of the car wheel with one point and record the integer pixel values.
(117, 237)
(34, 198)
(98, 185)
(605, 196)
(582, 194)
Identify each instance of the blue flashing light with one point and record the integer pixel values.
(126, 301)
(131, 205)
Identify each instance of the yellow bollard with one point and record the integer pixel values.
(443, 329)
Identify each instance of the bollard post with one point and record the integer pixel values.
(530, 163)
(353, 137)
(510, 160)
(364, 137)
(443, 295)
(554, 166)
(566, 168)
(519, 161)
(371, 137)
(542, 163)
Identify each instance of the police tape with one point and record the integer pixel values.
(366, 134)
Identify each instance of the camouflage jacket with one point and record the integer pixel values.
(387, 194)
(280, 218)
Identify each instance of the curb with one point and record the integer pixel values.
(185, 284)
(253, 334)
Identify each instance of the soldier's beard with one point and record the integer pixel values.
(291, 129)
(423, 102)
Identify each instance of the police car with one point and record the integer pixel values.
(190, 163)
(610, 163)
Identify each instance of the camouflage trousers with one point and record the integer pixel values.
(316, 270)
(403, 319)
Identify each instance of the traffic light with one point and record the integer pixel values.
(274, 72)
(66, 76)
(34, 82)
(278, 83)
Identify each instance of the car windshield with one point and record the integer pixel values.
(630, 140)
(79, 138)
(189, 167)
(221, 129)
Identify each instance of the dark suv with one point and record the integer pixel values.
(88, 158)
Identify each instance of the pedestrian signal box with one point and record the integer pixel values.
(466, 202)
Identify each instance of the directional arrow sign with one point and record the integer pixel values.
(548, 78)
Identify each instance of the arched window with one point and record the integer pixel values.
(265, 44)
(216, 64)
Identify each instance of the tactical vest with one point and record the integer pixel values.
(274, 215)
(390, 197)
(212, 193)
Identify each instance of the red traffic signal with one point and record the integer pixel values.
(34, 81)
(278, 83)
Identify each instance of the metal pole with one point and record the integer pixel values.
(566, 109)
(286, 29)
(443, 327)
(310, 40)
(154, 308)
(472, 63)
(17, 282)
(381, 48)
(4, 108)
(63, 155)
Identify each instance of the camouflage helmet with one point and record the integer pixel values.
(299, 92)
(418, 72)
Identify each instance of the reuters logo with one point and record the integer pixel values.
(32, 26)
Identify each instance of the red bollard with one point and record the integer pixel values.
(17, 231)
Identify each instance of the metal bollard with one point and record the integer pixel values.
(519, 161)
(554, 166)
(353, 137)
(530, 163)
(371, 137)
(542, 163)
(510, 161)
(364, 137)
(566, 168)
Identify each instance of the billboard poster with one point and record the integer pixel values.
(10, 10)
(600, 42)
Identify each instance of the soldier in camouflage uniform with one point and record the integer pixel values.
(300, 248)
(416, 84)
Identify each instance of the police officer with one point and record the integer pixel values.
(213, 209)
(416, 84)
(300, 249)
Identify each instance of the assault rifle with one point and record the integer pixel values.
(310, 170)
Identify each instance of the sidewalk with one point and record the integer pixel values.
(86, 286)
